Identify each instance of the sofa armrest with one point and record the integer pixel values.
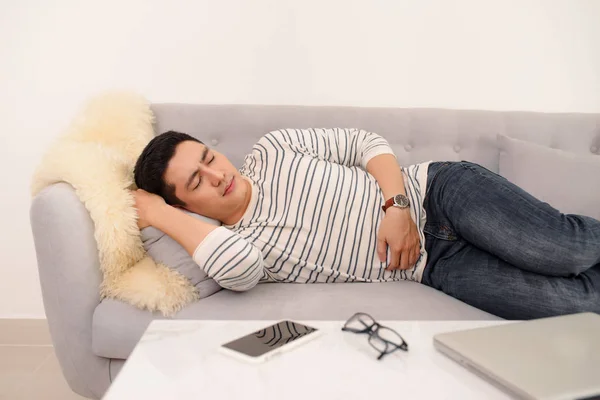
(70, 277)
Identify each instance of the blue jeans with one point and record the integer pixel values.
(497, 248)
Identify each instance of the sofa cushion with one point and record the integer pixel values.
(163, 249)
(566, 181)
(118, 326)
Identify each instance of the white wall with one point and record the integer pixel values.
(506, 55)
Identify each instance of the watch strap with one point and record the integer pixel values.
(388, 204)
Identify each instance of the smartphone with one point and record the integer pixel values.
(263, 344)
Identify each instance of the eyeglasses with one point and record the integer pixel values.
(381, 338)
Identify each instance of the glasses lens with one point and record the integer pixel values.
(379, 344)
(359, 322)
(390, 335)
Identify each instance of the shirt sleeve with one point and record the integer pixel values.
(233, 262)
(349, 147)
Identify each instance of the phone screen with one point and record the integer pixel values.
(273, 337)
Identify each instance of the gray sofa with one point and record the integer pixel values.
(92, 338)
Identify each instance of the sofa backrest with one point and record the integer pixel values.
(416, 135)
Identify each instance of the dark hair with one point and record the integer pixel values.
(150, 168)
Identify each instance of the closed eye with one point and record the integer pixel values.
(200, 177)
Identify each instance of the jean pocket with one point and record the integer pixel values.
(433, 172)
(440, 231)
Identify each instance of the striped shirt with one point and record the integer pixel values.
(314, 213)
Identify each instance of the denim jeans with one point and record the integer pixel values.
(498, 248)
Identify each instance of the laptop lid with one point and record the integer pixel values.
(549, 358)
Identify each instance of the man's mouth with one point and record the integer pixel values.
(229, 187)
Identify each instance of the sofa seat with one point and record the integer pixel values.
(117, 326)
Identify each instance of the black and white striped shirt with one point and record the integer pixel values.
(314, 213)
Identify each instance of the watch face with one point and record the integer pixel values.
(401, 200)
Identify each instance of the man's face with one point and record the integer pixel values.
(207, 182)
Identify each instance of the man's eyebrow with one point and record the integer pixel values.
(191, 178)
(197, 171)
(204, 153)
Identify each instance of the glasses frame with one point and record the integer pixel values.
(372, 330)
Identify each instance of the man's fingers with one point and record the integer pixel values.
(382, 250)
(394, 259)
(410, 255)
(416, 255)
(404, 260)
(412, 260)
(400, 258)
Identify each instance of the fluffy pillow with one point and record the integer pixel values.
(567, 181)
(163, 249)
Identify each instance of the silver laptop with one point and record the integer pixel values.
(549, 358)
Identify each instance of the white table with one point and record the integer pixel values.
(180, 360)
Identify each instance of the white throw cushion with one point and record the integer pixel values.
(569, 182)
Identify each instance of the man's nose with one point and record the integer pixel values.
(214, 177)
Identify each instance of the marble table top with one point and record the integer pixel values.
(180, 360)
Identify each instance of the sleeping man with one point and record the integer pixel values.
(333, 205)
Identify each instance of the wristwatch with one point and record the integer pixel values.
(399, 200)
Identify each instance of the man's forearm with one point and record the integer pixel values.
(387, 172)
(186, 230)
